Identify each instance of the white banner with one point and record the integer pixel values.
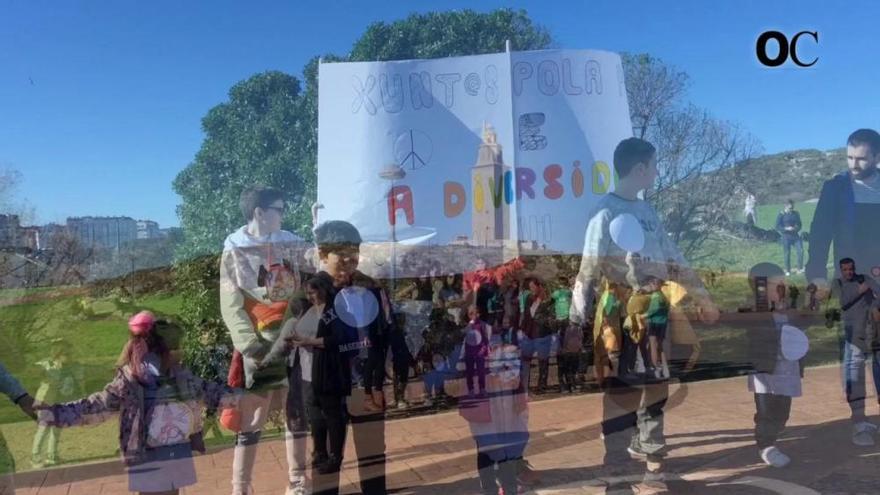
(485, 151)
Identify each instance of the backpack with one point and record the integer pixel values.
(171, 421)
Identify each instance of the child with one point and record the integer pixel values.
(776, 349)
(60, 384)
(475, 349)
(607, 333)
(434, 379)
(657, 318)
(499, 424)
(159, 405)
(636, 322)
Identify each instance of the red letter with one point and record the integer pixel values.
(554, 189)
(400, 197)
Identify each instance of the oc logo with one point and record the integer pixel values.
(787, 49)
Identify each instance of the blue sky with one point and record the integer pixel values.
(101, 102)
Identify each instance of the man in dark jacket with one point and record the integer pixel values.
(788, 224)
(847, 213)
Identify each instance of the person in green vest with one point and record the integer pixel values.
(657, 318)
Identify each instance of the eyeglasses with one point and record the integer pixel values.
(280, 209)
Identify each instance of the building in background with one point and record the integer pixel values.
(103, 232)
(9, 231)
(148, 229)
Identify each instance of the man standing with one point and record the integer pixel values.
(847, 212)
(259, 272)
(857, 295)
(622, 228)
(788, 224)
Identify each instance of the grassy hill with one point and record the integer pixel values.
(796, 175)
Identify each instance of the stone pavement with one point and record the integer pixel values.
(708, 426)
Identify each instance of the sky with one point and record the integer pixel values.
(101, 102)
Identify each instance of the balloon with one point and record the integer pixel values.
(356, 306)
(627, 233)
(794, 342)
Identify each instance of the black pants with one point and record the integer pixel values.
(568, 365)
(328, 418)
(401, 377)
(374, 369)
(368, 432)
(770, 417)
(506, 475)
(543, 372)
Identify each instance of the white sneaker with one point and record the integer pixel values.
(295, 490)
(774, 457)
(863, 434)
(297, 486)
(787, 274)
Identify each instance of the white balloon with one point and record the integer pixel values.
(627, 233)
(473, 338)
(794, 343)
(356, 306)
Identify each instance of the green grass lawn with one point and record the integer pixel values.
(735, 255)
(766, 214)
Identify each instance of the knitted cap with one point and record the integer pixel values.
(141, 323)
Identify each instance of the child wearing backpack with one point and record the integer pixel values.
(160, 405)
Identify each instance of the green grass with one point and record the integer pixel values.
(766, 214)
(735, 255)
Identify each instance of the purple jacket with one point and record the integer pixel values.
(125, 395)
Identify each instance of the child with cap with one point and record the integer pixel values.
(160, 405)
(776, 350)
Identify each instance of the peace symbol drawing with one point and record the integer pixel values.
(413, 149)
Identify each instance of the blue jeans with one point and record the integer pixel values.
(434, 383)
(787, 243)
(854, 353)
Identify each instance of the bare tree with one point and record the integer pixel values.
(697, 154)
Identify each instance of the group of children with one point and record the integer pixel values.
(637, 316)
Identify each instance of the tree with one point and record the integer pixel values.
(698, 155)
(449, 34)
(261, 135)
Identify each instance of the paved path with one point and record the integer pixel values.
(708, 426)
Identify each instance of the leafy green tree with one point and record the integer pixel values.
(449, 34)
(264, 134)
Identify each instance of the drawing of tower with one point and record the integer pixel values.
(490, 216)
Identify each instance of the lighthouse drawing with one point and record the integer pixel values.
(490, 214)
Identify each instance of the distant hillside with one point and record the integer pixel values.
(796, 175)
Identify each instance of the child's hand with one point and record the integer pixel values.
(292, 341)
(26, 404)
